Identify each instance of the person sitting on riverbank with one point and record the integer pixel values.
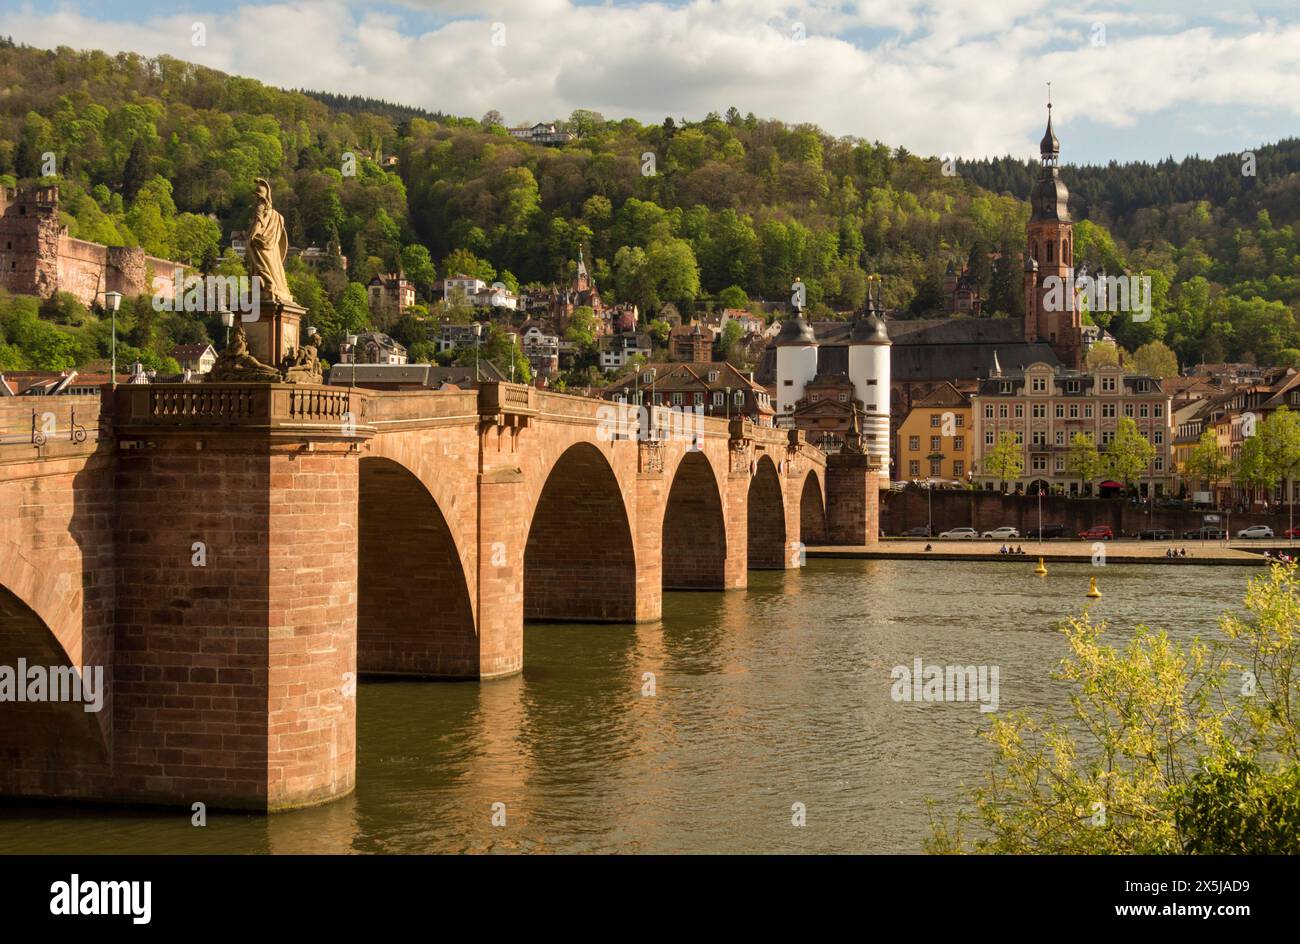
(1183, 552)
(928, 547)
(1002, 549)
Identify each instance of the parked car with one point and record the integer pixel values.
(1206, 533)
(1050, 530)
(920, 532)
(963, 534)
(1156, 534)
(1256, 531)
(1098, 532)
(1002, 533)
(1291, 533)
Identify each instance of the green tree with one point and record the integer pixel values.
(581, 329)
(1153, 757)
(1129, 453)
(1155, 359)
(1207, 462)
(1006, 460)
(733, 296)
(1280, 435)
(1083, 459)
(1251, 469)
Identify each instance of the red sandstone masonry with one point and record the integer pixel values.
(413, 551)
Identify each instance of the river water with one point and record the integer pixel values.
(762, 699)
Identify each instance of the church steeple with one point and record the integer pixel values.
(1049, 148)
(1049, 260)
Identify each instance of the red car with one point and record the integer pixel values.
(1098, 532)
(1291, 533)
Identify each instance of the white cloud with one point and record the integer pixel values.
(930, 75)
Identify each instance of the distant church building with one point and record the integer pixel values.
(893, 364)
(1051, 256)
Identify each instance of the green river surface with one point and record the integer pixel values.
(763, 698)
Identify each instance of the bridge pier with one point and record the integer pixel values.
(852, 499)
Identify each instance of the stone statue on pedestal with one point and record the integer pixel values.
(268, 245)
(236, 365)
(302, 365)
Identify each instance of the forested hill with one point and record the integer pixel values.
(163, 154)
(1117, 193)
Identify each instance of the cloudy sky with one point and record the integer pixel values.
(1135, 80)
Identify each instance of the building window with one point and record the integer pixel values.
(988, 411)
(1060, 411)
(1108, 384)
(935, 467)
(1002, 411)
(1072, 386)
(699, 399)
(1038, 384)
(1143, 410)
(677, 399)
(959, 443)
(958, 468)
(935, 443)
(1020, 438)
(1108, 411)
(1128, 410)
(1060, 437)
(960, 420)
(988, 437)
(1040, 411)
(1074, 411)
(1107, 435)
(1020, 411)
(738, 398)
(719, 399)
(844, 397)
(935, 420)
(1160, 463)
(914, 443)
(1159, 437)
(1005, 386)
(1087, 411)
(914, 468)
(1158, 410)
(1039, 437)
(1060, 464)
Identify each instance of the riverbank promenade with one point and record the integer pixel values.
(1242, 553)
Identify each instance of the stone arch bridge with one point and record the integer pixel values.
(234, 556)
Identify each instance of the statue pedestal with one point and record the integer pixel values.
(275, 332)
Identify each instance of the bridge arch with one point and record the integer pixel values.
(414, 611)
(37, 625)
(765, 514)
(694, 541)
(579, 556)
(812, 510)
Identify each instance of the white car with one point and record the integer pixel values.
(1002, 533)
(964, 534)
(1256, 531)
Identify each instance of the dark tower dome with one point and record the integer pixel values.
(870, 329)
(796, 332)
(1049, 146)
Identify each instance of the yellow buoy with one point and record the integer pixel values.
(1093, 592)
(1040, 569)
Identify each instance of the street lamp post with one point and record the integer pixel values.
(228, 320)
(112, 300)
(478, 342)
(654, 431)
